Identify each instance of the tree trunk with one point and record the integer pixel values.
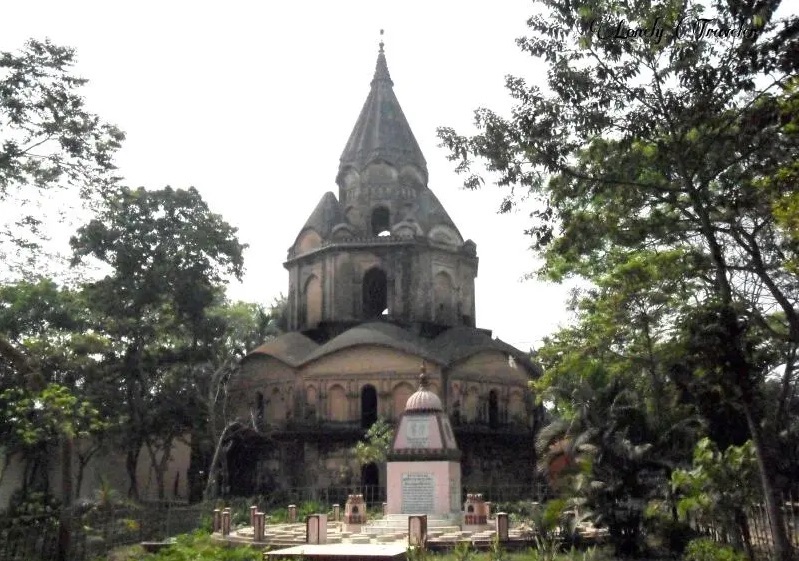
(159, 465)
(212, 469)
(131, 462)
(742, 370)
(64, 534)
(782, 547)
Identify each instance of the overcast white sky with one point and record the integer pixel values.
(253, 102)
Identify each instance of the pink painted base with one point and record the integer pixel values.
(447, 485)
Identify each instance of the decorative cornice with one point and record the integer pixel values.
(423, 455)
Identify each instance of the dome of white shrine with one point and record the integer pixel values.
(424, 431)
(423, 399)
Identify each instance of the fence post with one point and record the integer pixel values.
(502, 526)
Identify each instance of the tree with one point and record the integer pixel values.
(376, 443)
(722, 485)
(50, 326)
(31, 421)
(241, 327)
(663, 142)
(48, 138)
(170, 256)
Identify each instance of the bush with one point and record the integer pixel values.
(200, 547)
(705, 549)
(308, 508)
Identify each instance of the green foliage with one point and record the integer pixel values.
(48, 134)
(496, 552)
(376, 443)
(705, 549)
(170, 257)
(48, 139)
(25, 503)
(463, 551)
(720, 485)
(200, 547)
(310, 507)
(663, 174)
(417, 554)
(30, 419)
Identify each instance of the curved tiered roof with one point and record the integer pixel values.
(452, 345)
(290, 348)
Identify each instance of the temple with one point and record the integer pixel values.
(380, 280)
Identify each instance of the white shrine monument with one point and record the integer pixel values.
(423, 474)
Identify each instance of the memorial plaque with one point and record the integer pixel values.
(418, 492)
(418, 433)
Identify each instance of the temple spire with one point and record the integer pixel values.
(381, 70)
(382, 132)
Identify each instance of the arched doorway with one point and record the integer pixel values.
(493, 410)
(375, 293)
(370, 482)
(259, 411)
(381, 221)
(368, 406)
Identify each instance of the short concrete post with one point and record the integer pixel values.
(217, 520)
(417, 530)
(323, 528)
(253, 510)
(292, 514)
(502, 526)
(385, 509)
(316, 529)
(336, 513)
(258, 527)
(226, 522)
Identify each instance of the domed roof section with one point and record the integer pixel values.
(382, 132)
(327, 214)
(461, 342)
(383, 334)
(290, 348)
(423, 399)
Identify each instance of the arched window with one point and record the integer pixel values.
(277, 409)
(370, 480)
(470, 412)
(368, 406)
(313, 301)
(310, 402)
(259, 410)
(516, 410)
(375, 293)
(381, 221)
(493, 409)
(337, 399)
(443, 293)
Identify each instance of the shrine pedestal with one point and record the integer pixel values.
(423, 487)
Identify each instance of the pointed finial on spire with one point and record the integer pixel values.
(423, 382)
(381, 70)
